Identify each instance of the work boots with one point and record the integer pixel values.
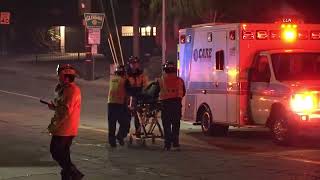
(65, 175)
(76, 174)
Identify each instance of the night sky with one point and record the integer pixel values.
(58, 12)
(42, 12)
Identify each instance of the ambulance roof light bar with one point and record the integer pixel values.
(289, 32)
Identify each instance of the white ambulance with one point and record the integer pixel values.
(247, 74)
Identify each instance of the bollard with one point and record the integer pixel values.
(89, 69)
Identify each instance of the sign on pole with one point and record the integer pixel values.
(4, 17)
(94, 36)
(94, 20)
(94, 49)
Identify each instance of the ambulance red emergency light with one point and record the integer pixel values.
(252, 74)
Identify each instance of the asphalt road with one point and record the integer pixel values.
(243, 154)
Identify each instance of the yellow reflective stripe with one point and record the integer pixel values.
(117, 92)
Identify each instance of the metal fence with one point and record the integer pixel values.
(55, 56)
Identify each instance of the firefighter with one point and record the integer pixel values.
(117, 107)
(171, 91)
(137, 82)
(65, 122)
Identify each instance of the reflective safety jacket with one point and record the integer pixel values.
(171, 87)
(66, 119)
(117, 90)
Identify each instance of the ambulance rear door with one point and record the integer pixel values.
(219, 100)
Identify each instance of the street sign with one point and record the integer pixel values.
(94, 49)
(4, 17)
(94, 20)
(94, 36)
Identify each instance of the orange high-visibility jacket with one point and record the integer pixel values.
(66, 119)
(171, 86)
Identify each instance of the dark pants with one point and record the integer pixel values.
(136, 121)
(133, 114)
(171, 115)
(60, 151)
(117, 113)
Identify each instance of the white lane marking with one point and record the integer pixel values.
(308, 161)
(93, 129)
(18, 94)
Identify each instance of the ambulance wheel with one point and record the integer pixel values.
(281, 131)
(206, 122)
(130, 139)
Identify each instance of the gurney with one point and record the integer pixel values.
(147, 107)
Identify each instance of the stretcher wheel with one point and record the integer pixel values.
(130, 139)
(153, 139)
(143, 142)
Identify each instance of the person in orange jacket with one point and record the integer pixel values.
(138, 81)
(65, 122)
(171, 90)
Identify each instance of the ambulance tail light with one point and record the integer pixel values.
(247, 35)
(304, 102)
(183, 39)
(262, 35)
(315, 35)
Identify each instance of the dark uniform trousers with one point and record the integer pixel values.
(60, 151)
(117, 113)
(136, 121)
(133, 114)
(171, 115)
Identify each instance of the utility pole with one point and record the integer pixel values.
(85, 7)
(136, 25)
(164, 31)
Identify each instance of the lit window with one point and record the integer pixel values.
(143, 31)
(154, 31)
(148, 31)
(127, 30)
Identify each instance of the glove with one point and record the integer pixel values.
(52, 127)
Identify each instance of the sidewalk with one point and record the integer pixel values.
(46, 69)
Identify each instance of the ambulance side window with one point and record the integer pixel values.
(220, 60)
(261, 70)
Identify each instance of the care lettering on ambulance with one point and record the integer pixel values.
(202, 54)
(201, 65)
